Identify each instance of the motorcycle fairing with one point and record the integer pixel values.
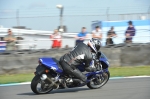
(104, 59)
(51, 63)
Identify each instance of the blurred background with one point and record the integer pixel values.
(35, 21)
(30, 29)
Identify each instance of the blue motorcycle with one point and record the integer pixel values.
(49, 75)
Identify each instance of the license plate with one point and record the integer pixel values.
(40, 69)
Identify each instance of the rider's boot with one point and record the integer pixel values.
(62, 84)
(77, 81)
(82, 83)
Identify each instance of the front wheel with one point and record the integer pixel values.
(40, 87)
(100, 81)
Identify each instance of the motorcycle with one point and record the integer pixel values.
(49, 75)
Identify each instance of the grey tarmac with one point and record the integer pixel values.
(129, 88)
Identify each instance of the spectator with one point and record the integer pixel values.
(130, 32)
(81, 36)
(97, 33)
(10, 39)
(111, 33)
(56, 38)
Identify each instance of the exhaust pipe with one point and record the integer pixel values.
(45, 78)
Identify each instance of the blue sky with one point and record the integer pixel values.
(43, 14)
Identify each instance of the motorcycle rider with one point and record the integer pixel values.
(81, 54)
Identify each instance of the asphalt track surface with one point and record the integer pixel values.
(129, 88)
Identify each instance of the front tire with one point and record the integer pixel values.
(34, 84)
(104, 80)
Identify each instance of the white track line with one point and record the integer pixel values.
(111, 78)
(129, 77)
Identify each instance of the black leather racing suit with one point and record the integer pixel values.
(80, 54)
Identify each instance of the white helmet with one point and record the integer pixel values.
(94, 44)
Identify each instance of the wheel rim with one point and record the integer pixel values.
(43, 87)
(103, 79)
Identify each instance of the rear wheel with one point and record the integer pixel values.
(100, 81)
(40, 87)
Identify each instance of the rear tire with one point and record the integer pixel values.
(106, 76)
(34, 84)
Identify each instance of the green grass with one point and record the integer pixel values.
(114, 71)
(129, 71)
(15, 78)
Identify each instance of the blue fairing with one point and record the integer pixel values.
(92, 74)
(50, 63)
(103, 59)
(97, 72)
